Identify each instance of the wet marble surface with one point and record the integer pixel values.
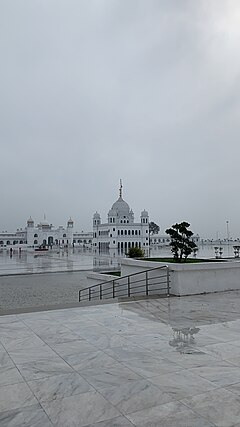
(148, 363)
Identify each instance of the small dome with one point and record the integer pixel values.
(30, 220)
(70, 221)
(96, 215)
(144, 213)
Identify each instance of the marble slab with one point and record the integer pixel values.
(173, 414)
(220, 407)
(10, 375)
(72, 347)
(96, 359)
(134, 396)
(80, 410)
(150, 366)
(16, 396)
(182, 384)
(44, 368)
(109, 376)
(59, 386)
(113, 422)
(29, 416)
(221, 374)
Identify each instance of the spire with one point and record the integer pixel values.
(120, 189)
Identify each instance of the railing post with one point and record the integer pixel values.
(100, 291)
(113, 289)
(129, 287)
(79, 296)
(147, 283)
(168, 282)
(89, 294)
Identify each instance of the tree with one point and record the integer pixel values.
(181, 244)
(153, 228)
(135, 252)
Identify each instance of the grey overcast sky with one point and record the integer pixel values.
(92, 91)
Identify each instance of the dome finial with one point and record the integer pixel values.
(120, 189)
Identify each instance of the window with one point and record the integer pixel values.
(64, 235)
(132, 232)
(136, 232)
(121, 232)
(114, 242)
(113, 229)
(118, 232)
(129, 232)
(35, 235)
(125, 232)
(35, 242)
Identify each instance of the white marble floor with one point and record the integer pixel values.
(149, 363)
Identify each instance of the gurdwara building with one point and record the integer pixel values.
(120, 231)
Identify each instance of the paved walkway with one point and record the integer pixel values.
(164, 362)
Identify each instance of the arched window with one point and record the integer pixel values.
(35, 242)
(64, 235)
(35, 235)
(8, 242)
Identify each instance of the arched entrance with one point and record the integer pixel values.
(50, 241)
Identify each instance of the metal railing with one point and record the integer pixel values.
(149, 282)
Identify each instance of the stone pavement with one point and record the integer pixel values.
(148, 363)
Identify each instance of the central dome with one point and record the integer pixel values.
(121, 207)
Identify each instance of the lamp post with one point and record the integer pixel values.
(227, 222)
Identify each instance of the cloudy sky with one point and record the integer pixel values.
(92, 91)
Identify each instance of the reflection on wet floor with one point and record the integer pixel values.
(184, 341)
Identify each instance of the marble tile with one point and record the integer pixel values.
(72, 347)
(16, 396)
(59, 386)
(134, 396)
(192, 360)
(43, 369)
(220, 407)
(80, 410)
(10, 375)
(182, 384)
(5, 359)
(32, 354)
(95, 359)
(113, 422)
(23, 342)
(223, 350)
(109, 376)
(150, 366)
(221, 374)
(173, 414)
(29, 416)
(128, 352)
(234, 388)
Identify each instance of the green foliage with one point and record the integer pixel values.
(153, 228)
(181, 244)
(135, 252)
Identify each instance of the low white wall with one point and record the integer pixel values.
(190, 279)
(97, 278)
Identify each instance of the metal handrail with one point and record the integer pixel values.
(115, 284)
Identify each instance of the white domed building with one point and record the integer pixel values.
(120, 232)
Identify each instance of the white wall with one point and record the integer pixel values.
(190, 279)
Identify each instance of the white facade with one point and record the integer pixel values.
(120, 232)
(45, 234)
